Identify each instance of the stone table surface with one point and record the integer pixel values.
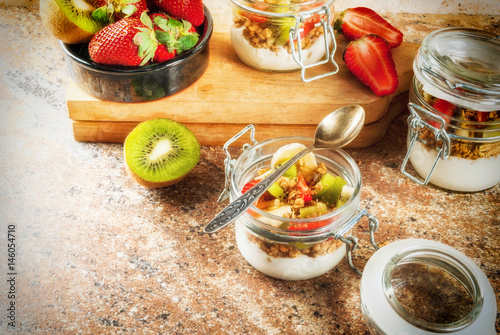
(95, 253)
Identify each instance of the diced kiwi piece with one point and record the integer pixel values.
(331, 188)
(315, 210)
(284, 30)
(160, 152)
(291, 173)
(276, 191)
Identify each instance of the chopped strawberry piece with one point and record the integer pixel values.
(304, 189)
(482, 116)
(370, 60)
(355, 23)
(249, 185)
(309, 225)
(444, 107)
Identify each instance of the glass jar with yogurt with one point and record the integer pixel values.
(266, 240)
(284, 35)
(454, 125)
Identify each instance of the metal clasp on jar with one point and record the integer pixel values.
(328, 34)
(351, 242)
(415, 123)
(229, 161)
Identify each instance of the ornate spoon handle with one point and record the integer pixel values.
(240, 205)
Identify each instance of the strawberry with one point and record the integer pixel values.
(110, 11)
(249, 185)
(189, 10)
(444, 107)
(304, 189)
(482, 116)
(357, 22)
(370, 60)
(174, 36)
(128, 42)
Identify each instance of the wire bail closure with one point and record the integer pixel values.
(351, 242)
(298, 56)
(229, 161)
(415, 122)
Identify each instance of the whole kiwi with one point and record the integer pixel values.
(70, 20)
(160, 152)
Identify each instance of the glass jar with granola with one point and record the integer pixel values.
(454, 126)
(284, 35)
(299, 229)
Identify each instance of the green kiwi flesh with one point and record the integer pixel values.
(80, 13)
(160, 152)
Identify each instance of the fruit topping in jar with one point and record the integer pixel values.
(463, 123)
(306, 190)
(274, 35)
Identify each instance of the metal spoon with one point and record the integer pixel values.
(335, 131)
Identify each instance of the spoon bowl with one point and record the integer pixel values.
(335, 131)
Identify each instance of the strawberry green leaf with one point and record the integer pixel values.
(129, 10)
(186, 42)
(101, 14)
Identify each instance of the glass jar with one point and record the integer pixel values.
(454, 125)
(264, 239)
(284, 35)
(425, 287)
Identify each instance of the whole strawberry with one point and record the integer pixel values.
(174, 36)
(110, 11)
(128, 42)
(369, 59)
(190, 10)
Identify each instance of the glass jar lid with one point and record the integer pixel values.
(462, 66)
(426, 287)
(281, 8)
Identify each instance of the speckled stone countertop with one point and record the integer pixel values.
(98, 254)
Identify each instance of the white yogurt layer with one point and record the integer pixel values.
(455, 173)
(298, 268)
(267, 60)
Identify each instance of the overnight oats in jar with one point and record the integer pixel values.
(454, 126)
(283, 35)
(299, 228)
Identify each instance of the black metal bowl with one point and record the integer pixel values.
(139, 84)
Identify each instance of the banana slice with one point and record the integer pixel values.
(346, 194)
(280, 211)
(288, 151)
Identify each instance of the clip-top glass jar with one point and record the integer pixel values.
(419, 286)
(284, 35)
(454, 126)
(268, 241)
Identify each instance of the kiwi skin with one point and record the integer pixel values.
(141, 130)
(150, 184)
(59, 26)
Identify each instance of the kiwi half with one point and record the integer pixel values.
(70, 20)
(160, 152)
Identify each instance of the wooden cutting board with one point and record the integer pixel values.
(231, 95)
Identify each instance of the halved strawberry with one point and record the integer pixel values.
(357, 22)
(370, 60)
(190, 10)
